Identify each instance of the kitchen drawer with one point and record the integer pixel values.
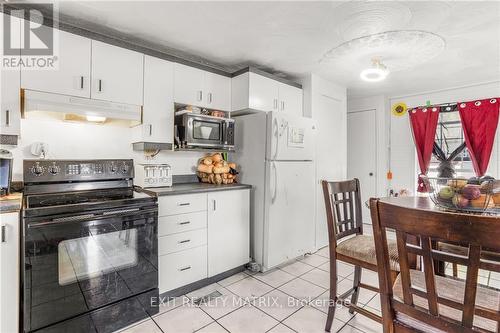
(180, 204)
(182, 241)
(182, 268)
(174, 224)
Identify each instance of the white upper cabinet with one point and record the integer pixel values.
(72, 75)
(158, 109)
(290, 99)
(188, 85)
(217, 90)
(194, 86)
(117, 74)
(10, 112)
(228, 230)
(260, 93)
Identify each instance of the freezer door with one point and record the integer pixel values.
(290, 138)
(290, 211)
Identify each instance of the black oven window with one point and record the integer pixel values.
(204, 130)
(96, 255)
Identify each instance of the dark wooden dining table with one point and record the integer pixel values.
(425, 203)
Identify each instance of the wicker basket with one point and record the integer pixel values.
(460, 194)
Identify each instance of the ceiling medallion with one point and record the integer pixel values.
(400, 49)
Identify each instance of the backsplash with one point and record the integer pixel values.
(76, 140)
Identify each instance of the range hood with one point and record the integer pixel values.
(86, 108)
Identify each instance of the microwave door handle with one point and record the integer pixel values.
(223, 137)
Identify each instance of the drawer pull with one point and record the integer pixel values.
(185, 268)
(184, 241)
(184, 223)
(184, 204)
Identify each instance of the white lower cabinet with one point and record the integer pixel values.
(196, 242)
(228, 230)
(182, 268)
(9, 281)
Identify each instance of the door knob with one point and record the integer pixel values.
(370, 174)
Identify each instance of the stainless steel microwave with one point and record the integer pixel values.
(196, 131)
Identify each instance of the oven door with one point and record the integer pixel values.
(77, 264)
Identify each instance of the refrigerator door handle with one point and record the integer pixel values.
(276, 136)
(275, 191)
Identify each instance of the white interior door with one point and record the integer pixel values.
(290, 211)
(362, 154)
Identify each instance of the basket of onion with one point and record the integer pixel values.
(213, 169)
(474, 195)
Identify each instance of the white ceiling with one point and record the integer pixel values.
(292, 37)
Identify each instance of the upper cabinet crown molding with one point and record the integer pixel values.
(255, 92)
(117, 74)
(194, 86)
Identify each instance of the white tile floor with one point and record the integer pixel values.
(292, 298)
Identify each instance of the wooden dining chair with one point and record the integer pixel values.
(347, 243)
(421, 301)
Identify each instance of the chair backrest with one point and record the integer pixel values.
(343, 208)
(475, 232)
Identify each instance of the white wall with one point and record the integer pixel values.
(71, 140)
(396, 149)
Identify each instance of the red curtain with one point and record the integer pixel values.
(479, 123)
(423, 123)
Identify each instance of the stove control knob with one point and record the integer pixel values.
(37, 169)
(124, 168)
(113, 168)
(54, 169)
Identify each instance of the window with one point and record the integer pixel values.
(449, 136)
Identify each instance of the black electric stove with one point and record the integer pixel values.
(90, 247)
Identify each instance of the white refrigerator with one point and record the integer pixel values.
(275, 152)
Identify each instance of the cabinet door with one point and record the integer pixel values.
(158, 112)
(188, 85)
(228, 230)
(72, 75)
(290, 99)
(217, 91)
(263, 93)
(9, 283)
(10, 115)
(117, 74)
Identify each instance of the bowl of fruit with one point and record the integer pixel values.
(473, 195)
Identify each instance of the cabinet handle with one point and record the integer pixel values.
(275, 104)
(200, 95)
(215, 205)
(7, 117)
(185, 268)
(184, 204)
(100, 85)
(150, 129)
(3, 234)
(209, 97)
(81, 82)
(283, 105)
(184, 241)
(184, 223)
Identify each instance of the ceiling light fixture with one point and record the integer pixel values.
(376, 73)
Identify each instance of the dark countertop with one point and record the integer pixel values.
(11, 203)
(188, 188)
